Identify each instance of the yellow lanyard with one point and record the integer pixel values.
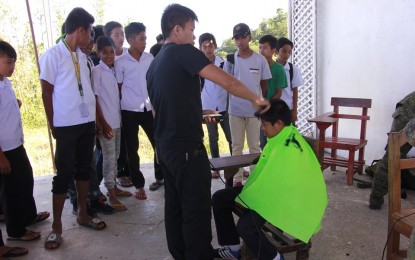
(75, 61)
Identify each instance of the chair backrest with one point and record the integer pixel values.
(395, 165)
(363, 103)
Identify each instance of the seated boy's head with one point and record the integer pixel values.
(79, 21)
(284, 49)
(135, 33)
(241, 36)
(267, 45)
(207, 44)
(276, 118)
(105, 50)
(115, 31)
(177, 23)
(7, 59)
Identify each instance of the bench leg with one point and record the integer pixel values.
(302, 254)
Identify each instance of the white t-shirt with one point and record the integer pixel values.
(287, 93)
(105, 88)
(11, 132)
(57, 68)
(249, 71)
(214, 97)
(132, 74)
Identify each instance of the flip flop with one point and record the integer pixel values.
(52, 239)
(95, 224)
(155, 185)
(14, 251)
(122, 193)
(28, 236)
(140, 195)
(40, 217)
(118, 207)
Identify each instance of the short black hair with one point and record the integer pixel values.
(133, 29)
(159, 37)
(173, 15)
(271, 40)
(78, 17)
(7, 50)
(104, 41)
(108, 27)
(283, 41)
(99, 31)
(207, 37)
(154, 50)
(63, 28)
(279, 110)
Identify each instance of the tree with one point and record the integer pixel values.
(276, 26)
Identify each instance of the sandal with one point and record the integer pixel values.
(215, 175)
(9, 251)
(28, 236)
(40, 217)
(124, 182)
(155, 185)
(95, 224)
(140, 195)
(118, 207)
(53, 241)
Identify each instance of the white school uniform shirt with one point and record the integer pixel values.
(214, 97)
(287, 93)
(124, 50)
(132, 74)
(57, 68)
(105, 88)
(11, 132)
(249, 71)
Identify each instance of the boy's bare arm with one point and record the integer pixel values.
(233, 86)
(102, 125)
(264, 87)
(47, 91)
(277, 94)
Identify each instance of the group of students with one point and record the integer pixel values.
(263, 75)
(128, 88)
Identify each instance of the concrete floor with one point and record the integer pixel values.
(350, 230)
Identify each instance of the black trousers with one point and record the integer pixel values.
(130, 123)
(16, 193)
(73, 156)
(187, 211)
(122, 162)
(248, 226)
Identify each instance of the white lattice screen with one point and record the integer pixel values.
(303, 34)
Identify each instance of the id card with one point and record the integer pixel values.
(83, 108)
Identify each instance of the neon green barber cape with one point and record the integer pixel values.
(287, 187)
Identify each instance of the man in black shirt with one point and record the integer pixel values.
(173, 85)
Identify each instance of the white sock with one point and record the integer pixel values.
(235, 248)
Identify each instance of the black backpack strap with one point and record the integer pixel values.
(231, 58)
(202, 83)
(221, 64)
(291, 74)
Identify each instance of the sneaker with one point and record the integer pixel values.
(102, 207)
(226, 252)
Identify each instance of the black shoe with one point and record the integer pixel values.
(102, 207)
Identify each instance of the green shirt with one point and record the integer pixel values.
(278, 80)
(287, 186)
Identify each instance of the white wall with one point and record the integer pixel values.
(366, 48)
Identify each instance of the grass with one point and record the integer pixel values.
(39, 152)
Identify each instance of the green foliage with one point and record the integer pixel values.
(276, 26)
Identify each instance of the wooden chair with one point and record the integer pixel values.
(399, 219)
(334, 142)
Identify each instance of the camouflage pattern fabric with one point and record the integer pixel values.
(410, 132)
(404, 112)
